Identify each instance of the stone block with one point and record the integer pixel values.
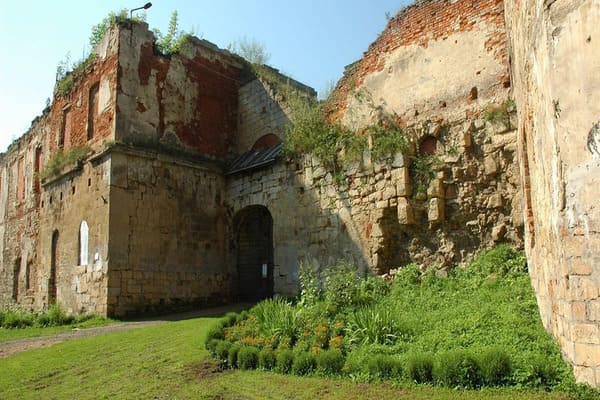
(580, 266)
(586, 333)
(490, 166)
(498, 232)
(382, 204)
(583, 288)
(495, 201)
(389, 191)
(578, 311)
(436, 189)
(435, 212)
(367, 162)
(467, 140)
(587, 355)
(401, 177)
(593, 310)
(584, 375)
(398, 161)
(405, 212)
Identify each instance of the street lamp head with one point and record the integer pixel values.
(145, 7)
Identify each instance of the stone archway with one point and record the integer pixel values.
(254, 248)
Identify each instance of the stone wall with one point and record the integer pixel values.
(81, 194)
(556, 69)
(167, 245)
(31, 208)
(440, 71)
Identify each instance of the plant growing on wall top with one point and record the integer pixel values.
(171, 42)
(67, 72)
(59, 160)
(251, 50)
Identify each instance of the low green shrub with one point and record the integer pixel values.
(230, 319)
(222, 350)
(284, 360)
(330, 362)
(457, 369)
(248, 357)
(495, 367)
(216, 333)
(57, 316)
(502, 260)
(266, 359)
(232, 355)
(304, 363)
(541, 373)
(382, 366)
(419, 368)
(242, 316)
(211, 346)
(15, 318)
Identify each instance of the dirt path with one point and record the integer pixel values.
(15, 346)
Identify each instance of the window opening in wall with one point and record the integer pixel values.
(29, 277)
(16, 274)
(61, 196)
(83, 243)
(64, 137)
(92, 110)
(37, 167)
(89, 181)
(428, 146)
(73, 190)
(53, 264)
(20, 181)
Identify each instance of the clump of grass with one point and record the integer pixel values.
(14, 317)
(59, 160)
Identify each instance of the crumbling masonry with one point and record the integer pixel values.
(182, 197)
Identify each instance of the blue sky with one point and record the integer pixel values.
(310, 40)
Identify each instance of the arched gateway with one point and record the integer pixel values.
(254, 243)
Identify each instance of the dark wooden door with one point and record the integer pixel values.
(255, 254)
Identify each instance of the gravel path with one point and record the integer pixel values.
(15, 346)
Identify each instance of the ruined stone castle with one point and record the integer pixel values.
(173, 190)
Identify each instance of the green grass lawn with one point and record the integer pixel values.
(169, 362)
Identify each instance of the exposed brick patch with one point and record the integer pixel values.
(419, 24)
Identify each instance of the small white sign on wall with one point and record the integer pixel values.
(265, 271)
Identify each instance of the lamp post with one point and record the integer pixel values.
(144, 7)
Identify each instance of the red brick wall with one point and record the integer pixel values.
(75, 107)
(419, 24)
(213, 125)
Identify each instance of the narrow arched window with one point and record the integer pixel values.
(83, 243)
